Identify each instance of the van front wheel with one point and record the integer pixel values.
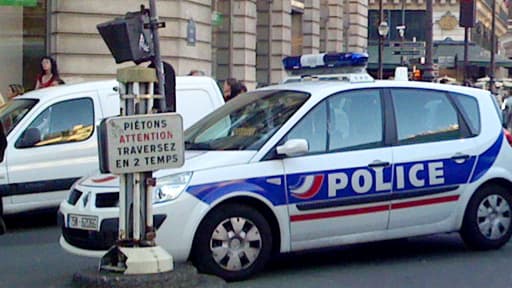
(233, 242)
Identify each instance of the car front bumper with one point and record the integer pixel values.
(175, 223)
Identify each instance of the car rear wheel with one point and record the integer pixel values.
(488, 219)
(233, 242)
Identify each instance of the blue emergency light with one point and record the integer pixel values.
(325, 60)
(324, 64)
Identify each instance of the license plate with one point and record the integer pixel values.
(83, 222)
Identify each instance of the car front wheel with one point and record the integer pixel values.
(488, 219)
(233, 242)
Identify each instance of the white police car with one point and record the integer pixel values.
(316, 162)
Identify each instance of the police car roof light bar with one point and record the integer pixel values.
(328, 66)
(324, 60)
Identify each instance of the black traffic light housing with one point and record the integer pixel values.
(467, 13)
(127, 39)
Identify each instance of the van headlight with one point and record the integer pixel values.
(170, 187)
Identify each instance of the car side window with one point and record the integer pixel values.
(313, 128)
(424, 116)
(355, 120)
(343, 122)
(470, 111)
(63, 122)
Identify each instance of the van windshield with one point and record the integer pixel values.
(246, 122)
(13, 111)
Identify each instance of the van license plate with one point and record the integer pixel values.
(83, 222)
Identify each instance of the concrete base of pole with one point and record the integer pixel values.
(183, 275)
(137, 260)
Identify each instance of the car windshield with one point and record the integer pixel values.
(13, 111)
(246, 122)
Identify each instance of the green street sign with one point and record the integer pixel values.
(24, 3)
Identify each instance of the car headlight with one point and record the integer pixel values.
(170, 187)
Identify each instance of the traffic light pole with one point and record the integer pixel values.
(492, 66)
(467, 16)
(428, 75)
(135, 253)
(466, 56)
(154, 25)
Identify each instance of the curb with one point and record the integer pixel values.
(183, 275)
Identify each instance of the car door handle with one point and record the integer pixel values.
(460, 157)
(378, 163)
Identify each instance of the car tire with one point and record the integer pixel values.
(487, 221)
(232, 242)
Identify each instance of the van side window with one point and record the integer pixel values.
(63, 122)
(424, 116)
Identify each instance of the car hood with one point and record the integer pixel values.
(194, 161)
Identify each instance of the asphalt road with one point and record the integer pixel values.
(31, 257)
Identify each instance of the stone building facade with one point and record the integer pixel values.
(246, 39)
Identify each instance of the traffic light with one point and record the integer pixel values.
(127, 39)
(467, 13)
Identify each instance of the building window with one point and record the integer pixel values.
(297, 34)
(22, 43)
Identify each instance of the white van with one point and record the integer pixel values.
(38, 174)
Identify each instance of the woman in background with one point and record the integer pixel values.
(228, 83)
(49, 75)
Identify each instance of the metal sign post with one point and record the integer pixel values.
(132, 146)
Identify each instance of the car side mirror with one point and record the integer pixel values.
(293, 147)
(30, 137)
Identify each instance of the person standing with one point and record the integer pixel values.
(49, 75)
(236, 89)
(226, 89)
(15, 90)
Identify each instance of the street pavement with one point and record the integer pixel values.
(30, 256)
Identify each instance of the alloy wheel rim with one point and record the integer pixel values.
(493, 217)
(235, 243)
